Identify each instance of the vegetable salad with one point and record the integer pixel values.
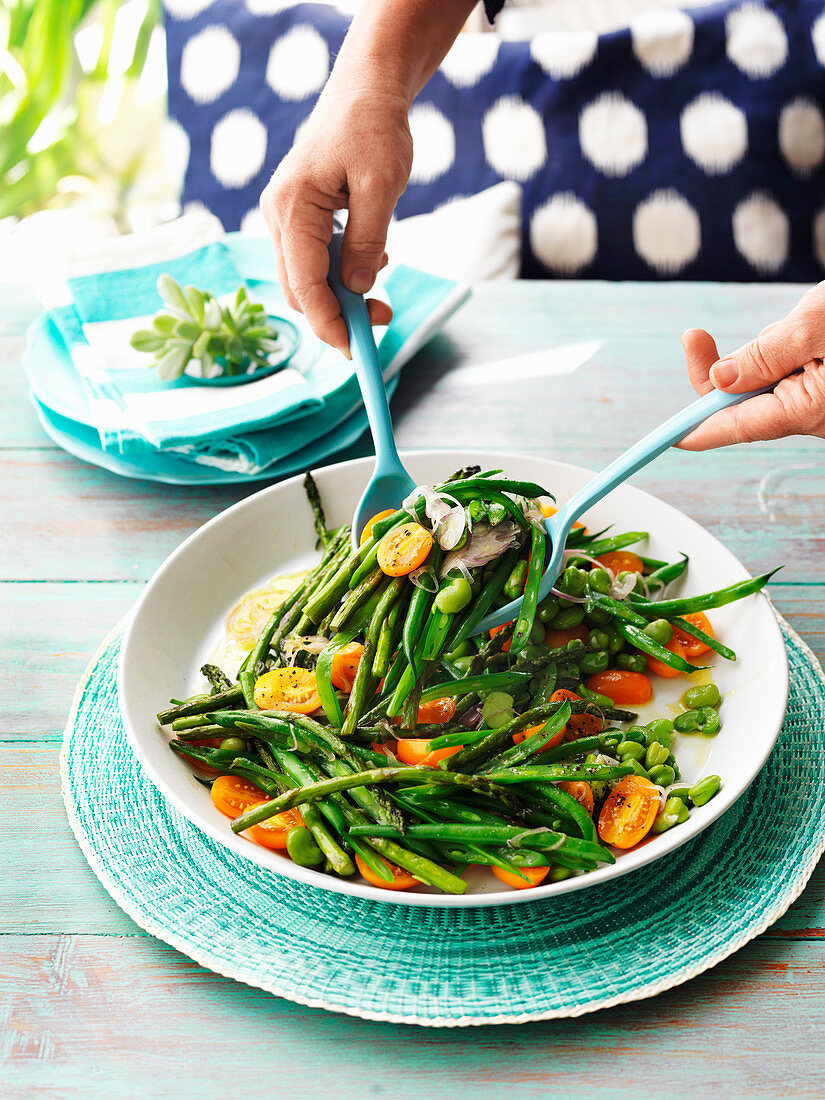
(371, 730)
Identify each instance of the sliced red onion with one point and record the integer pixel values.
(472, 719)
(484, 545)
(620, 589)
(662, 793)
(567, 596)
(446, 515)
(423, 577)
(586, 557)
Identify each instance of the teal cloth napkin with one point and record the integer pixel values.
(243, 429)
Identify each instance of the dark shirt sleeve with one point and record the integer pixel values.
(493, 7)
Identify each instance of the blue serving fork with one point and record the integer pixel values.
(559, 526)
(390, 483)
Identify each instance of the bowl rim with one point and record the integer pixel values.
(664, 843)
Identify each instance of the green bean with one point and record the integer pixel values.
(365, 568)
(357, 598)
(457, 737)
(363, 687)
(193, 722)
(527, 614)
(208, 730)
(557, 773)
(667, 573)
(477, 488)
(276, 727)
(600, 742)
(617, 542)
(703, 791)
(534, 742)
(490, 681)
(694, 631)
(514, 584)
(705, 695)
(387, 639)
(641, 641)
(690, 604)
(512, 835)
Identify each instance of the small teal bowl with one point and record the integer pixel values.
(289, 336)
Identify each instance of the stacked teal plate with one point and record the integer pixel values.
(625, 940)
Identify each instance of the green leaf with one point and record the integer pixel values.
(173, 363)
(165, 323)
(147, 340)
(172, 294)
(187, 330)
(197, 302)
(212, 314)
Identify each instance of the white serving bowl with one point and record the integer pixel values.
(179, 619)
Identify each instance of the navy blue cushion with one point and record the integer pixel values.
(691, 145)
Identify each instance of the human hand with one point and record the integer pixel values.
(796, 406)
(355, 152)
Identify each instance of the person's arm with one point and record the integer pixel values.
(796, 406)
(355, 152)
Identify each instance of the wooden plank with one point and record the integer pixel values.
(53, 890)
(50, 633)
(122, 1017)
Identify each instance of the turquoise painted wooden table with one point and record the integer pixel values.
(91, 1005)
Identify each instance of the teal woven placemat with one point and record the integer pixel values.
(565, 956)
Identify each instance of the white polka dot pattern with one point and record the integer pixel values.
(714, 133)
(761, 232)
(563, 54)
(564, 234)
(666, 231)
(662, 40)
(238, 148)
(613, 134)
(819, 236)
(471, 57)
(818, 38)
(298, 64)
(802, 135)
(209, 64)
(253, 223)
(433, 143)
(756, 40)
(514, 141)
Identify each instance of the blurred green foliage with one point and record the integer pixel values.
(49, 101)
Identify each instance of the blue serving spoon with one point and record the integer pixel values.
(390, 483)
(559, 526)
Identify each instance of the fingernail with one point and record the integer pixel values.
(361, 281)
(724, 373)
(346, 352)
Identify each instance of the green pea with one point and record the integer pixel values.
(631, 662)
(656, 754)
(477, 511)
(497, 709)
(704, 790)
(675, 812)
(591, 663)
(234, 744)
(570, 617)
(558, 873)
(537, 633)
(496, 513)
(679, 792)
(687, 722)
(662, 774)
(598, 639)
(660, 631)
(302, 848)
(630, 750)
(598, 616)
(454, 596)
(548, 609)
(706, 695)
(573, 581)
(463, 650)
(615, 642)
(593, 696)
(599, 580)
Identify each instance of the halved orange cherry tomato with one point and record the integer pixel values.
(693, 647)
(234, 796)
(204, 743)
(675, 646)
(532, 875)
(497, 630)
(401, 880)
(386, 748)
(292, 689)
(621, 686)
(549, 744)
(579, 725)
(416, 750)
(403, 549)
(367, 532)
(436, 711)
(629, 812)
(581, 791)
(547, 510)
(345, 665)
(621, 561)
(273, 831)
(558, 638)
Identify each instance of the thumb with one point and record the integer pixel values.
(365, 237)
(775, 353)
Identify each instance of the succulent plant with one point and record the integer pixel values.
(194, 325)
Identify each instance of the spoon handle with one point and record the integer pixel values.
(365, 359)
(652, 445)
